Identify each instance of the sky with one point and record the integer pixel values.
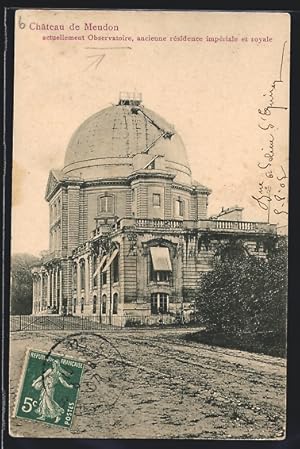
(215, 89)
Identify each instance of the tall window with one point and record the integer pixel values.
(179, 207)
(154, 303)
(104, 278)
(82, 274)
(156, 199)
(74, 276)
(115, 303)
(163, 302)
(104, 304)
(94, 304)
(94, 268)
(105, 204)
(115, 268)
(159, 303)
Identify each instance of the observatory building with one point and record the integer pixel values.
(128, 225)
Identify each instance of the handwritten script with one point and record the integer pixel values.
(272, 189)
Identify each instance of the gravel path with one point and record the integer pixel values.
(160, 386)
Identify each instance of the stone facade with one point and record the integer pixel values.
(129, 232)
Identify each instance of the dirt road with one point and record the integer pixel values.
(165, 387)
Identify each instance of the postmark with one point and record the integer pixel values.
(49, 388)
(105, 370)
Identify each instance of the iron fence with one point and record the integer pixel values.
(90, 322)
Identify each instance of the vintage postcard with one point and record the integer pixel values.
(149, 225)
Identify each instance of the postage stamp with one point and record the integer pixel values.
(49, 388)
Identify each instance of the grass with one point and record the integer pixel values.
(272, 343)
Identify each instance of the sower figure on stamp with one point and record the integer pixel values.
(48, 407)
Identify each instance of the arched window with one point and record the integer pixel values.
(105, 204)
(74, 305)
(82, 305)
(115, 303)
(104, 298)
(94, 304)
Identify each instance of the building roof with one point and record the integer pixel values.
(107, 142)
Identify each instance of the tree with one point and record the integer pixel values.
(21, 284)
(245, 294)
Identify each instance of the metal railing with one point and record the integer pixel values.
(91, 322)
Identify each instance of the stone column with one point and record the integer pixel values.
(99, 299)
(38, 300)
(41, 291)
(78, 283)
(60, 292)
(52, 288)
(87, 281)
(48, 289)
(55, 291)
(33, 295)
(91, 272)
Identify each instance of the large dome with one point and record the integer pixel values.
(105, 144)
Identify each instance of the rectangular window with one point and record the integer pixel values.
(106, 204)
(116, 269)
(156, 199)
(162, 276)
(115, 303)
(179, 208)
(159, 276)
(94, 304)
(104, 304)
(95, 281)
(163, 303)
(154, 303)
(104, 278)
(159, 303)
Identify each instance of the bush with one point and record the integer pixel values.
(245, 295)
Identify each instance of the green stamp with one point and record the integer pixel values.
(49, 388)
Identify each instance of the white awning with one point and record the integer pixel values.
(115, 252)
(160, 258)
(100, 265)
